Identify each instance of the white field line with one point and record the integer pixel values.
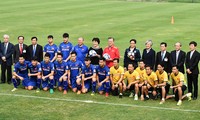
(100, 103)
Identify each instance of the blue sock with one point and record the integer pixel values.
(38, 83)
(14, 82)
(107, 87)
(65, 85)
(51, 84)
(79, 87)
(94, 86)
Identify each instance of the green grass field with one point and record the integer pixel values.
(96, 18)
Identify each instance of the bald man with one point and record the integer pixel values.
(178, 57)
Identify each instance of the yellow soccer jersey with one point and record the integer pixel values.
(162, 77)
(151, 78)
(116, 73)
(131, 77)
(141, 73)
(178, 78)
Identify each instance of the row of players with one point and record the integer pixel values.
(81, 78)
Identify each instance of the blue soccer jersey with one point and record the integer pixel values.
(81, 52)
(60, 68)
(22, 69)
(102, 72)
(47, 68)
(88, 71)
(65, 49)
(51, 49)
(74, 68)
(35, 69)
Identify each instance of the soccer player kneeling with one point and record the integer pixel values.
(34, 74)
(20, 72)
(132, 77)
(103, 74)
(61, 69)
(116, 76)
(179, 86)
(150, 80)
(74, 73)
(163, 82)
(88, 76)
(47, 73)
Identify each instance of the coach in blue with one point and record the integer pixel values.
(81, 50)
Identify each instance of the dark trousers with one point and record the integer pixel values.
(193, 79)
(4, 68)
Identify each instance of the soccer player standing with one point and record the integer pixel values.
(88, 76)
(103, 73)
(74, 73)
(47, 73)
(116, 77)
(61, 71)
(51, 48)
(65, 47)
(20, 72)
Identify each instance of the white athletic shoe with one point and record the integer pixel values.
(189, 96)
(179, 103)
(136, 97)
(14, 89)
(131, 95)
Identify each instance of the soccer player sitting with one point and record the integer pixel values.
(47, 73)
(116, 77)
(88, 76)
(150, 80)
(132, 77)
(179, 86)
(34, 74)
(20, 72)
(163, 82)
(74, 73)
(103, 73)
(141, 70)
(61, 69)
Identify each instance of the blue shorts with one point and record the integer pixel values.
(25, 81)
(32, 81)
(102, 87)
(87, 84)
(45, 83)
(73, 82)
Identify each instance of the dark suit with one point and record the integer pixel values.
(192, 64)
(127, 60)
(38, 53)
(165, 61)
(6, 65)
(180, 61)
(149, 58)
(17, 52)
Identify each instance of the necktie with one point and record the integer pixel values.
(34, 49)
(191, 53)
(5, 46)
(21, 49)
(162, 55)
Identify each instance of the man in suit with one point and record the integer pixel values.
(34, 50)
(6, 52)
(19, 49)
(163, 57)
(149, 55)
(178, 57)
(192, 69)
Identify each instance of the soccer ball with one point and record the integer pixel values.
(106, 56)
(130, 54)
(92, 53)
